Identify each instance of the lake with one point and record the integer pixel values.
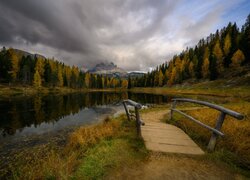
(36, 115)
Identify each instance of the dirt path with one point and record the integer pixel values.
(173, 166)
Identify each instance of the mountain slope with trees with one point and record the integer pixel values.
(226, 50)
(21, 68)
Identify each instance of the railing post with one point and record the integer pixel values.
(126, 109)
(138, 122)
(212, 142)
(171, 111)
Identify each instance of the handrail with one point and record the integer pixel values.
(214, 106)
(216, 131)
(133, 103)
(137, 106)
(200, 123)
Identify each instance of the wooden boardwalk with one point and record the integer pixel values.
(162, 137)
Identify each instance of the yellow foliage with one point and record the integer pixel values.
(86, 136)
(68, 74)
(238, 58)
(227, 44)
(124, 83)
(205, 65)
(60, 76)
(160, 78)
(40, 66)
(191, 69)
(219, 56)
(172, 77)
(37, 82)
(14, 64)
(87, 80)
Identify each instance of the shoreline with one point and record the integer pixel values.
(240, 91)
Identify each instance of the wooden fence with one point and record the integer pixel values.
(130, 115)
(215, 131)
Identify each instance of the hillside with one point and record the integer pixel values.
(220, 55)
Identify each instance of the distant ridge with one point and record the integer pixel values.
(25, 53)
(109, 69)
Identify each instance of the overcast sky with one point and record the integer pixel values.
(134, 34)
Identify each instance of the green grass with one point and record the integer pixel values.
(90, 153)
(112, 153)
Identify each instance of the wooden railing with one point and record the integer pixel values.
(215, 131)
(130, 115)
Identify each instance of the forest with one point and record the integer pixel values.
(225, 50)
(19, 69)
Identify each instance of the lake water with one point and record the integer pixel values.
(36, 115)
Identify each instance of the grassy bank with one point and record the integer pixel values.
(18, 90)
(90, 152)
(242, 92)
(237, 87)
(234, 148)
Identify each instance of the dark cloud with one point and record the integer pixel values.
(132, 33)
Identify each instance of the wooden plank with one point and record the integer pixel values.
(162, 137)
(174, 149)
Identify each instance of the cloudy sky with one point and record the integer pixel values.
(134, 34)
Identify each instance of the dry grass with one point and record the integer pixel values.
(235, 144)
(52, 162)
(37, 164)
(20, 90)
(86, 136)
(220, 88)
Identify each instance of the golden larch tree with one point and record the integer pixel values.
(205, 64)
(37, 82)
(60, 76)
(40, 68)
(14, 64)
(87, 80)
(160, 82)
(172, 77)
(68, 75)
(219, 56)
(227, 44)
(238, 58)
(191, 69)
(124, 83)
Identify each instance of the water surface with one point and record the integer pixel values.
(26, 116)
